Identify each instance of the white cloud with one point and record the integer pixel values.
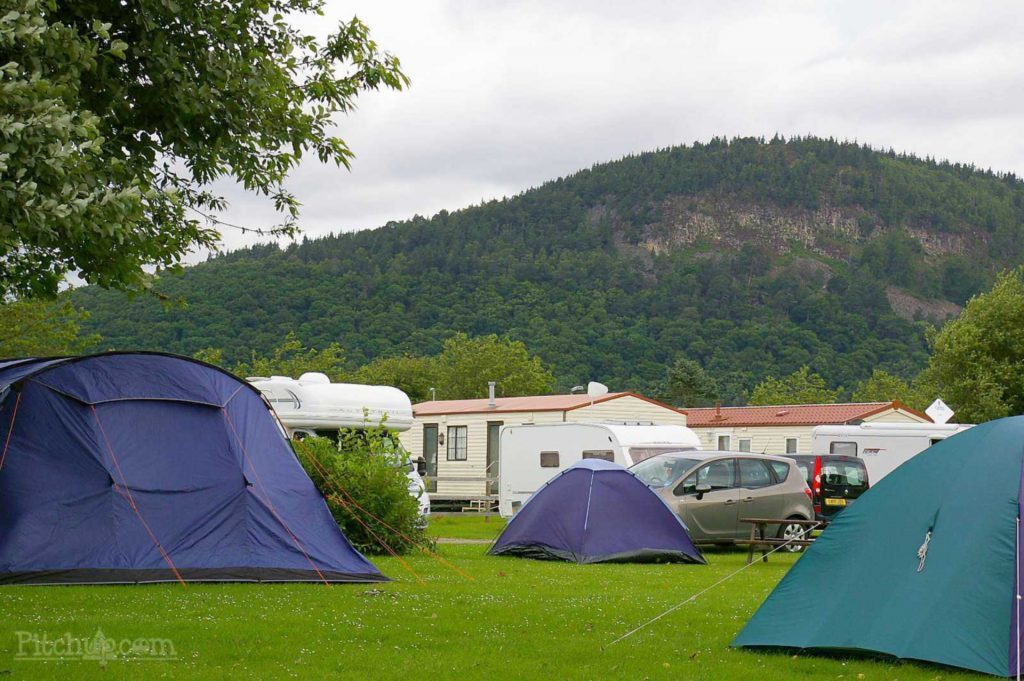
(507, 95)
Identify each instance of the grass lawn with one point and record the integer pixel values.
(518, 619)
(467, 526)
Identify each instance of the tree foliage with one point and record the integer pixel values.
(460, 371)
(363, 478)
(114, 120)
(882, 386)
(466, 364)
(290, 358)
(800, 387)
(977, 362)
(415, 376)
(42, 328)
(688, 385)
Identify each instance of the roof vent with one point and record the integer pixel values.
(491, 404)
(782, 413)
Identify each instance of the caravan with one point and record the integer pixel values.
(312, 405)
(533, 454)
(882, 446)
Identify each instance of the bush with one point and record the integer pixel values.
(363, 478)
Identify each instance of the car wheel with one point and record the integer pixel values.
(789, 531)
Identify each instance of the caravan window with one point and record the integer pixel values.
(843, 448)
(549, 459)
(606, 454)
(744, 444)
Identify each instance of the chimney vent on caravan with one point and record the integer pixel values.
(491, 404)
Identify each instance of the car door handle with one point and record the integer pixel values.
(730, 501)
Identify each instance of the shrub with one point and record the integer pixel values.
(363, 478)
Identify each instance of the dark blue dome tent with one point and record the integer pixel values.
(596, 511)
(144, 467)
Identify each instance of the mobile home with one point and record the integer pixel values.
(459, 439)
(533, 454)
(787, 428)
(882, 446)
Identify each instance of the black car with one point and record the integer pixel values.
(835, 481)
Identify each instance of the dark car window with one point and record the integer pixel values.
(805, 464)
(754, 474)
(845, 473)
(719, 474)
(781, 470)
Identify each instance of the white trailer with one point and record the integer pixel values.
(533, 454)
(312, 405)
(882, 446)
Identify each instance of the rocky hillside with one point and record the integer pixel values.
(752, 256)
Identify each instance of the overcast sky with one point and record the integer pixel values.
(506, 95)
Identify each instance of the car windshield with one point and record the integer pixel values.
(638, 454)
(662, 470)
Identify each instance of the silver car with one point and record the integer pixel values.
(713, 491)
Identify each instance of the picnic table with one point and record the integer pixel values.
(759, 541)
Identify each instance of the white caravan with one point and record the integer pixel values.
(882, 446)
(312, 405)
(530, 455)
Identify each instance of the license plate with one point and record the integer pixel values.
(835, 502)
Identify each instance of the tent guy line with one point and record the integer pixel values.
(702, 592)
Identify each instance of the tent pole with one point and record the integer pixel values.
(1016, 595)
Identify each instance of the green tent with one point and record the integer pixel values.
(863, 585)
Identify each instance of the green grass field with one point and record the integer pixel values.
(466, 526)
(517, 619)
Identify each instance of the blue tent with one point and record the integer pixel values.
(925, 566)
(594, 512)
(143, 467)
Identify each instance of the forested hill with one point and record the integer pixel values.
(751, 256)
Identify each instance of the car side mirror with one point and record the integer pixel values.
(702, 490)
(421, 466)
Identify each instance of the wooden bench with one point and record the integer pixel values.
(759, 541)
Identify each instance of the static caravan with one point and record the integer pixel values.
(533, 454)
(312, 405)
(882, 446)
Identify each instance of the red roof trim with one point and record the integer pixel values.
(792, 414)
(437, 408)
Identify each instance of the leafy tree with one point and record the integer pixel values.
(363, 479)
(37, 328)
(213, 356)
(413, 375)
(466, 364)
(882, 386)
(800, 387)
(977, 358)
(114, 121)
(689, 385)
(292, 358)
